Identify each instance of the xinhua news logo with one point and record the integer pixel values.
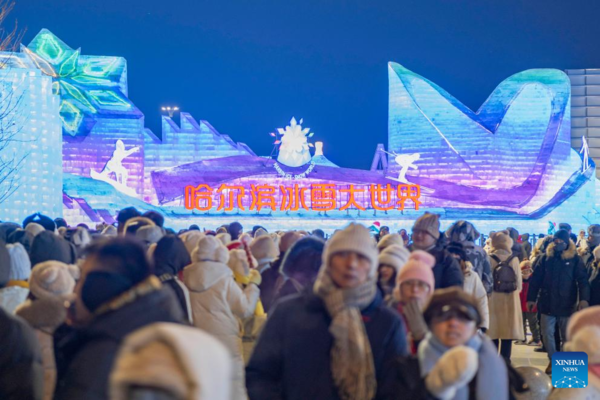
(570, 369)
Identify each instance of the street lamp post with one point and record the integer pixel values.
(170, 110)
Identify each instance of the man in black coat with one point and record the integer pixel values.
(116, 295)
(559, 285)
(426, 236)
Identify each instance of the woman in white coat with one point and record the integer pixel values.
(218, 303)
(472, 284)
(506, 318)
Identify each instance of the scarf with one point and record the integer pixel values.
(351, 358)
(492, 376)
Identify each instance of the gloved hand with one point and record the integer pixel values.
(414, 317)
(455, 369)
(255, 277)
(582, 304)
(530, 306)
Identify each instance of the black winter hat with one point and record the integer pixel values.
(48, 246)
(563, 235)
(43, 220)
(455, 299)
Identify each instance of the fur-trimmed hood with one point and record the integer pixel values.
(45, 313)
(568, 254)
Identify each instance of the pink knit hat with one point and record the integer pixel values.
(419, 267)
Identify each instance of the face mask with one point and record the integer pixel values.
(101, 286)
(560, 247)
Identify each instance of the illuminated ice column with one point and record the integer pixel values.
(30, 145)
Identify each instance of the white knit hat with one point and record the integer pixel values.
(264, 249)
(238, 262)
(395, 256)
(355, 238)
(53, 278)
(20, 266)
(388, 240)
(225, 238)
(34, 228)
(210, 248)
(191, 239)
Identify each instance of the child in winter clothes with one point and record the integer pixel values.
(218, 302)
(528, 316)
(51, 283)
(414, 288)
(454, 361)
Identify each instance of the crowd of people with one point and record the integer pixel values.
(138, 311)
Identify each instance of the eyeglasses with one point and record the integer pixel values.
(446, 313)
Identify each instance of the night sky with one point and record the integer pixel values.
(247, 67)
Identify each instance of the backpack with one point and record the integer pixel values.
(505, 279)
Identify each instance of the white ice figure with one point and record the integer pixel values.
(115, 165)
(405, 161)
(295, 149)
(585, 152)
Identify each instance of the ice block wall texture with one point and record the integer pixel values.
(585, 109)
(94, 109)
(514, 153)
(31, 121)
(91, 87)
(190, 142)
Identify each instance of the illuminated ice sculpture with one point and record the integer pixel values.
(294, 150)
(513, 154)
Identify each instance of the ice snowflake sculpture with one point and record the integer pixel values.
(294, 149)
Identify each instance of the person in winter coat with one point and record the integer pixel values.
(48, 246)
(218, 302)
(270, 276)
(116, 295)
(586, 250)
(595, 279)
(170, 362)
(558, 285)
(414, 288)
(390, 260)
(464, 232)
(21, 372)
(51, 284)
(583, 334)
(190, 240)
(170, 258)
(333, 342)
(528, 316)
(473, 285)
(454, 361)
(426, 236)
(580, 238)
(240, 262)
(300, 267)
(15, 291)
(264, 250)
(526, 245)
(506, 318)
